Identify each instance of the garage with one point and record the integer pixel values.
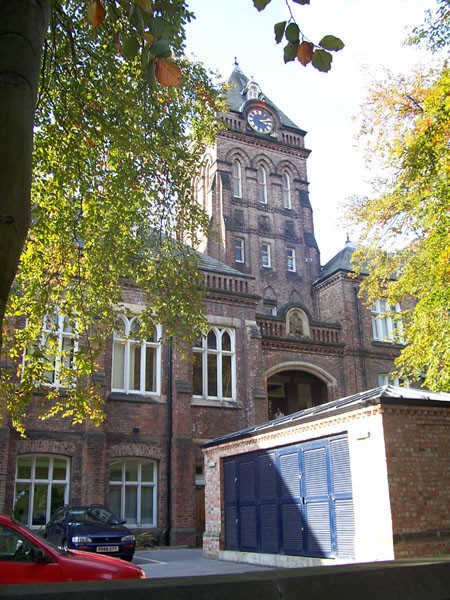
(294, 500)
(359, 479)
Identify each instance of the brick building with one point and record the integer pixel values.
(359, 479)
(285, 334)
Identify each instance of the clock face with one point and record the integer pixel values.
(260, 120)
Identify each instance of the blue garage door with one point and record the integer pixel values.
(291, 500)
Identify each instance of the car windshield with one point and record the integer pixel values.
(89, 516)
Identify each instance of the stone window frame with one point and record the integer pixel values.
(210, 351)
(261, 178)
(27, 487)
(266, 255)
(287, 191)
(125, 485)
(144, 347)
(290, 256)
(239, 250)
(236, 170)
(387, 325)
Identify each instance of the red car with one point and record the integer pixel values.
(26, 558)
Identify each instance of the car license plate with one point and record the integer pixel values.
(107, 548)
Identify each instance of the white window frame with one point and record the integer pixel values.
(35, 482)
(237, 179)
(218, 353)
(291, 266)
(128, 344)
(386, 323)
(65, 345)
(262, 184)
(252, 91)
(266, 259)
(388, 379)
(239, 250)
(286, 185)
(139, 485)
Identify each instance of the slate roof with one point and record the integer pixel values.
(387, 394)
(237, 82)
(340, 262)
(207, 263)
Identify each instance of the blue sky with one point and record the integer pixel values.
(322, 104)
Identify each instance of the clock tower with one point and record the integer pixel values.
(254, 187)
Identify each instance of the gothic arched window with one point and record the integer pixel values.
(262, 185)
(136, 363)
(237, 179)
(286, 184)
(215, 365)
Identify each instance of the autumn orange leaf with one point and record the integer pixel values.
(305, 52)
(203, 94)
(96, 13)
(118, 42)
(167, 73)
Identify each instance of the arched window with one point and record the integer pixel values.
(237, 179)
(60, 344)
(252, 92)
(286, 184)
(42, 484)
(136, 363)
(215, 365)
(262, 185)
(133, 491)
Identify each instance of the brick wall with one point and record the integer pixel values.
(400, 477)
(418, 452)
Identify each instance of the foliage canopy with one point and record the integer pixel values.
(114, 160)
(121, 122)
(405, 227)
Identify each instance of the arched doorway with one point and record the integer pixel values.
(291, 389)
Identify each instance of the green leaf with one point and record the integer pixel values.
(161, 28)
(145, 5)
(322, 60)
(260, 4)
(290, 51)
(161, 48)
(331, 42)
(292, 33)
(301, 1)
(279, 31)
(130, 47)
(136, 18)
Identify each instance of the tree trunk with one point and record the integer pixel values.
(23, 25)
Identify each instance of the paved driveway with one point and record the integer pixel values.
(186, 562)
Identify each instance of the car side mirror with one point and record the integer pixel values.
(41, 557)
(122, 521)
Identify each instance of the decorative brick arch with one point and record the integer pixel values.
(238, 154)
(262, 160)
(27, 446)
(297, 385)
(318, 372)
(135, 451)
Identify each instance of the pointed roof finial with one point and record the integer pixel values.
(236, 66)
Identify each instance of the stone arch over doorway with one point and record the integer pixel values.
(297, 385)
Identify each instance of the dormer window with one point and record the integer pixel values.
(252, 91)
